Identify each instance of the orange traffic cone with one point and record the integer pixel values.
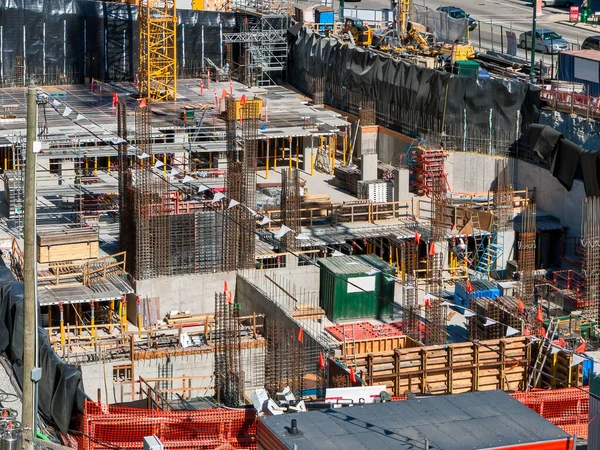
(321, 361)
(417, 237)
(432, 249)
(581, 348)
(225, 287)
(352, 376)
(539, 317)
(300, 335)
(469, 287)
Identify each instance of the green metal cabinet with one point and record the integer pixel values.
(348, 289)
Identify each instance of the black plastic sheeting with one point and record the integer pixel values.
(96, 39)
(566, 160)
(61, 388)
(408, 87)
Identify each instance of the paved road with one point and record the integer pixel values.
(497, 16)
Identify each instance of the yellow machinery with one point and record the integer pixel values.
(463, 52)
(361, 34)
(157, 21)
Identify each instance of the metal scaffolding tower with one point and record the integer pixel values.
(158, 56)
(527, 256)
(263, 40)
(290, 206)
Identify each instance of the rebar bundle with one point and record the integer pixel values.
(527, 255)
(229, 376)
(239, 251)
(435, 313)
(438, 207)
(284, 364)
(290, 206)
(318, 91)
(503, 196)
(590, 241)
(125, 219)
(366, 113)
(412, 317)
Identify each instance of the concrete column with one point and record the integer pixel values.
(401, 184)
(368, 167)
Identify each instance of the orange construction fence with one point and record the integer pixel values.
(566, 408)
(109, 427)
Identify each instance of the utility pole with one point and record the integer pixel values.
(29, 277)
(533, 42)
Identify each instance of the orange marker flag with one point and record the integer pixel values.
(520, 306)
(352, 376)
(469, 287)
(300, 335)
(223, 94)
(321, 361)
(229, 298)
(225, 287)
(432, 249)
(539, 317)
(417, 237)
(581, 348)
(243, 99)
(143, 103)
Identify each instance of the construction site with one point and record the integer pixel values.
(258, 225)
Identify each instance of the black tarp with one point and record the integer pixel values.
(60, 389)
(415, 99)
(95, 39)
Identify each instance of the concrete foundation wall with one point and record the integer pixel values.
(99, 375)
(194, 293)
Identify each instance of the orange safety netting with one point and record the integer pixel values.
(112, 427)
(566, 408)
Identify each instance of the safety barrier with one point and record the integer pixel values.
(567, 408)
(102, 426)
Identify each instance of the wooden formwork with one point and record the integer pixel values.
(378, 345)
(450, 369)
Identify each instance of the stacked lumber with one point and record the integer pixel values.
(385, 171)
(503, 310)
(464, 367)
(67, 244)
(346, 178)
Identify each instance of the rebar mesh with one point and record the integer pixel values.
(229, 376)
(590, 241)
(285, 364)
(527, 248)
(290, 206)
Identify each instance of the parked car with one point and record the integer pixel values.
(457, 13)
(591, 43)
(546, 41)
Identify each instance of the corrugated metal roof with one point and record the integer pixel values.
(542, 223)
(472, 420)
(354, 264)
(594, 55)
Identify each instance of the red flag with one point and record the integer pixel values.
(225, 287)
(539, 317)
(469, 287)
(229, 298)
(581, 348)
(428, 302)
(520, 306)
(300, 334)
(417, 237)
(321, 362)
(143, 103)
(243, 99)
(223, 94)
(352, 376)
(432, 249)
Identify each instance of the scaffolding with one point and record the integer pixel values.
(527, 248)
(261, 40)
(229, 376)
(590, 241)
(157, 20)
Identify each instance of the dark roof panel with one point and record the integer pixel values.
(473, 420)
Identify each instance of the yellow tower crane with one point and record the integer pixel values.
(157, 20)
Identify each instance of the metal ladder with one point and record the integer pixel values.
(478, 238)
(490, 253)
(545, 346)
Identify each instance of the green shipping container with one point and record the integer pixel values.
(349, 291)
(467, 68)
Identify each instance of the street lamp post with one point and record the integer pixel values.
(533, 43)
